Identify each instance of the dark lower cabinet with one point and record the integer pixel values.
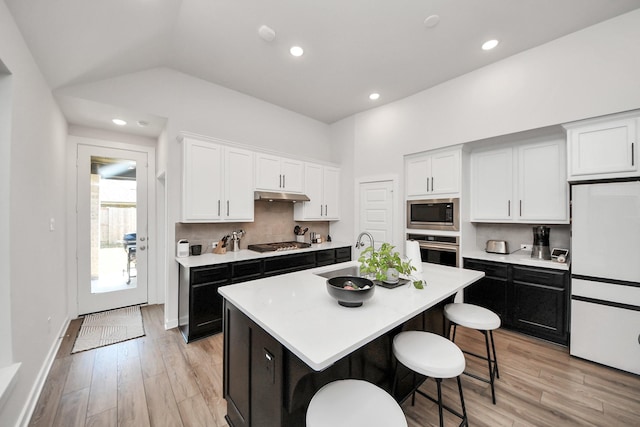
(531, 300)
(200, 304)
(541, 303)
(490, 291)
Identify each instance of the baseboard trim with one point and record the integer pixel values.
(30, 405)
(170, 323)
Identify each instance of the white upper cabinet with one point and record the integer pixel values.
(603, 148)
(492, 185)
(543, 192)
(433, 173)
(522, 183)
(238, 179)
(217, 182)
(322, 186)
(274, 173)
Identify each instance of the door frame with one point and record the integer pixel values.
(398, 226)
(72, 233)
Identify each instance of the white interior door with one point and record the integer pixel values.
(376, 210)
(112, 239)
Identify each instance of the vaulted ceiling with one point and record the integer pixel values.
(351, 47)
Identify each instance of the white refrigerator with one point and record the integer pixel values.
(605, 274)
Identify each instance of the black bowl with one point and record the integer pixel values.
(350, 297)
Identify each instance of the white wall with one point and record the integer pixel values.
(193, 105)
(589, 73)
(37, 279)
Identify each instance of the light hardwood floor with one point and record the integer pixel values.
(159, 380)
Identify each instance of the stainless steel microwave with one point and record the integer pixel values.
(434, 214)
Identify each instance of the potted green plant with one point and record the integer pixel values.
(385, 264)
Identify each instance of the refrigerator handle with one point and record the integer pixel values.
(632, 155)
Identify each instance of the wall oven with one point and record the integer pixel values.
(438, 249)
(434, 214)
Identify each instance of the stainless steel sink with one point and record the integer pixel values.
(353, 270)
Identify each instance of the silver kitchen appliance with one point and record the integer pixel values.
(434, 214)
(541, 243)
(497, 247)
(442, 250)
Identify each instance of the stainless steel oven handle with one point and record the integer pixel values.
(443, 247)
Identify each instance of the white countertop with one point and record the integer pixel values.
(518, 257)
(245, 255)
(297, 310)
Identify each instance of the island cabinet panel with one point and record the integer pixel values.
(265, 384)
(531, 300)
(237, 366)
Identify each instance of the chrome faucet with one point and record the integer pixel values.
(359, 243)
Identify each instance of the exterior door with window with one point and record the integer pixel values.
(112, 239)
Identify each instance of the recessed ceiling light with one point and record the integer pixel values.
(266, 33)
(431, 21)
(374, 96)
(490, 44)
(119, 122)
(296, 51)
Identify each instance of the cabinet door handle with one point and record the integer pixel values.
(320, 210)
(280, 182)
(326, 210)
(432, 184)
(227, 208)
(520, 207)
(218, 207)
(632, 154)
(509, 208)
(284, 181)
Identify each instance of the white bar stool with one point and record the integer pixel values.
(354, 403)
(433, 356)
(483, 320)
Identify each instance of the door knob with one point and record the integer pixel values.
(143, 247)
(142, 239)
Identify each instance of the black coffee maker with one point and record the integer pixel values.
(541, 243)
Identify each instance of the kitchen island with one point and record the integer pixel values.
(285, 337)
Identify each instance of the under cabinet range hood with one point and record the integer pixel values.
(280, 197)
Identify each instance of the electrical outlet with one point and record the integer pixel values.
(526, 247)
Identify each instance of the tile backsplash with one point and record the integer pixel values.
(516, 234)
(273, 222)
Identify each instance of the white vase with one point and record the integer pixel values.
(392, 276)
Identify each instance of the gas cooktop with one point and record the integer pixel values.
(278, 246)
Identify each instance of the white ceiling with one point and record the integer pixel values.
(352, 47)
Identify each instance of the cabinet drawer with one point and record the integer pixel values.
(246, 270)
(288, 263)
(343, 254)
(209, 274)
(325, 257)
(606, 334)
(490, 268)
(539, 276)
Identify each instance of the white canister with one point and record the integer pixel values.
(412, 252)
(182, 249)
